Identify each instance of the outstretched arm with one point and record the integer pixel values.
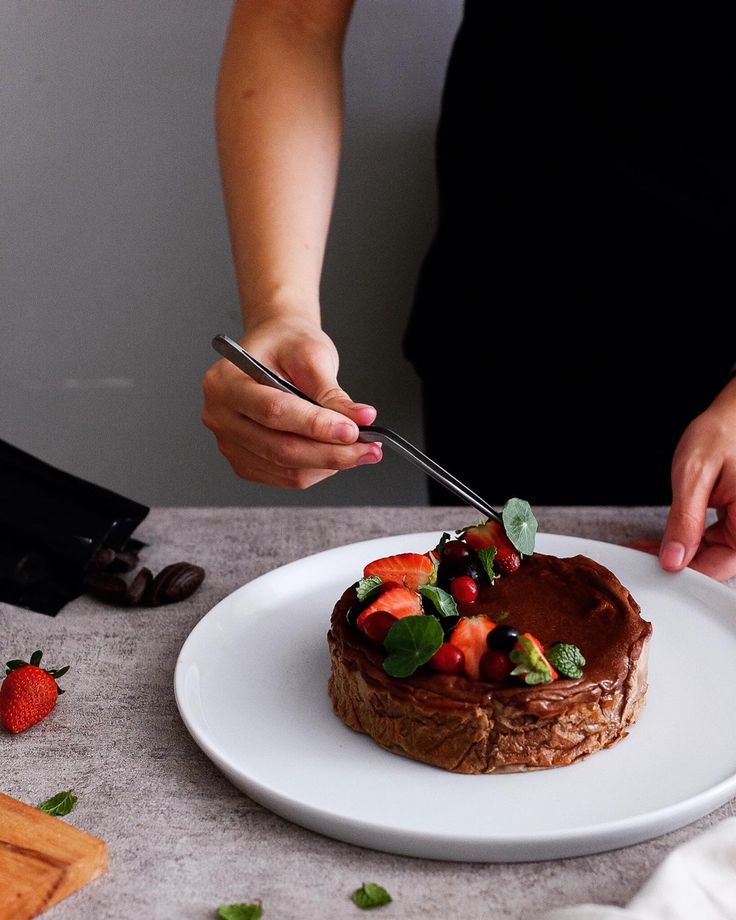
(279, 120)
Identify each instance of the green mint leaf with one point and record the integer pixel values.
(60, 804)
(530, 663)
(445, 538)
(410, 643)
(500, 617)
(486, 557)
(370, 895)
(240, 911)
(566, 659)
(443, 602)
(520, 525)
(366, 587)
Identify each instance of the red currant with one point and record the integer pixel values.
(495, 666)
(449, 659)
(377, 625)
(464, 589)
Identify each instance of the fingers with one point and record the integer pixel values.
(692, 484)
(717, 554)
(276, 438)
(314, 371)
(291, 451)
(279, 411)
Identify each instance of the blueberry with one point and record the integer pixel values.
(353, 612)
(503, 638)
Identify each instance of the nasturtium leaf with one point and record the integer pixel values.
(410, 643)
(442, 601)
(520, 524)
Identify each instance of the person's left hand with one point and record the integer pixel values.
(704, 476)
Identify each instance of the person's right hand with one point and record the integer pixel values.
(278, 439)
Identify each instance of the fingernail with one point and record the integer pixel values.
(672, 555)
(369, 458)
(344, 431)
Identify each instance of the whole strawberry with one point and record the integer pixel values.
(28, 693)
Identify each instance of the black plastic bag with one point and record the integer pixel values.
(51, 526)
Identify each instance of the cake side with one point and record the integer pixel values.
(476, 726)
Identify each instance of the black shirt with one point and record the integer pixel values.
(587, 192)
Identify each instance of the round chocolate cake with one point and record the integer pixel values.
(465, 709)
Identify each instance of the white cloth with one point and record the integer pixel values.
(697, 881)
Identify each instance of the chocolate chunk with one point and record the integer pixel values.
(105, 587)
(138, 587)
(123, 562)
(102, 558)
(176, 582)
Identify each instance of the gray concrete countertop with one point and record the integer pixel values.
(183, 840)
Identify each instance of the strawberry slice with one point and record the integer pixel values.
(408, 569)
(507, 559)
(470, 637)
(531, 663)
(399, 602)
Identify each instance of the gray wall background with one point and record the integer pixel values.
(114, 260)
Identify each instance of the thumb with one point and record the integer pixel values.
(683, 532)
(315, 372)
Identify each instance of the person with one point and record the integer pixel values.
(572, 324)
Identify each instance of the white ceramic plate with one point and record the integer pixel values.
(251, 680)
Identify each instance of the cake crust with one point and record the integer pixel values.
(466, 726)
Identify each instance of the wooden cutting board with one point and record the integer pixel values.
(42, 860)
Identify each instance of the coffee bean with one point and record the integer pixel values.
(105, 587)
(138, 587)
(176, 582)
(123, 562)
(102, 558)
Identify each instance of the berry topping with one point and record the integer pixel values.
(531, 665)
(408, 569)
(455, 551)
(464, 590)
(507, 559)
(470, 637)
(503, 638)
(495, 665)
(448, 659)
(401, 602)
(377, 625)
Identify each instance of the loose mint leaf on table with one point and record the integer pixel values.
(60, 804)
(486, 557)
(566, 659)
(370, 895)
(443, 602)
(240, 911)
(366, 587)
(520, 524)
(410, 643)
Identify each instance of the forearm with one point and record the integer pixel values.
(279, 120)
